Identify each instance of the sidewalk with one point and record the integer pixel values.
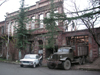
(90, 67)
(95, 66)
(11, 62)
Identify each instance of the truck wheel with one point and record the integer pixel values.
(80, 61)
(50, 66)
(67, 65)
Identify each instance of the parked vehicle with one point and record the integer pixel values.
(30, 60)
(67, 55)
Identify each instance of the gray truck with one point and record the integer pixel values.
(65, 56)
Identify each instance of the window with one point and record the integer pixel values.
(48, 15)
(33, 22)
(9, 27)
(63, 50)
(41, 21)
(37, 57)
(2, 30)
(27, 26)
(55, 11)
(71, 50)
(56, 17)
(16, 26)
(77, 40)
(0, 47)
(12, 27)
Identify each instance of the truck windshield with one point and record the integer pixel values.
(63, 50)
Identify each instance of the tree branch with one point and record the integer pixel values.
(3, 2)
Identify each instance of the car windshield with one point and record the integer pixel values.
(30, 57)
(63, 50)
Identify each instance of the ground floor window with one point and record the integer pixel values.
(77, 40)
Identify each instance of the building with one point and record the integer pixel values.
(39, 11)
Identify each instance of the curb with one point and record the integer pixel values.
(10, 62)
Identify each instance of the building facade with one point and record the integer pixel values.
(40, 11)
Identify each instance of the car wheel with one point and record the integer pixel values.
(21, 65)
(34, 65)
(67, 65)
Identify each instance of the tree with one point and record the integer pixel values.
(89, 17)
(51, 27)
(5, 43)
(11, 50)
(21, 33)
(89, 11)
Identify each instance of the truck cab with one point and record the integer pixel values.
(62, 57)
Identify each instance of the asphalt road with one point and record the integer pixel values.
(12, 69)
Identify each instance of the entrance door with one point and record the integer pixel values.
(40, 51)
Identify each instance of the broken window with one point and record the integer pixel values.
(27, 26)
(9, 27)
(41, 21)
(48, 15)
(12, 28)
(2, 30)
(77, 40)
(0, 48)
(33, 23)
(56, 17)
(15, 27)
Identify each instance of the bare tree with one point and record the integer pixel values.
(88, 16)
(3, 2)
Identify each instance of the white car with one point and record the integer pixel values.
(30, 60)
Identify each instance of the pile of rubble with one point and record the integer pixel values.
(95, 66)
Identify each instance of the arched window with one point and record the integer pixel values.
(33, 22)
(12, 28)
(9, 27)
(48, 15)
(55, 17)
(15, 27)
(56, 11)
(41, 21)
(27, 25)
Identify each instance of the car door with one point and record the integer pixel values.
(37, 59)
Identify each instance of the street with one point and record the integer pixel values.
(13, 69)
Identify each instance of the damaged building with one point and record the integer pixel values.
(64, 38)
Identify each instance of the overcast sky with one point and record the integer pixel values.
(12, 5)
